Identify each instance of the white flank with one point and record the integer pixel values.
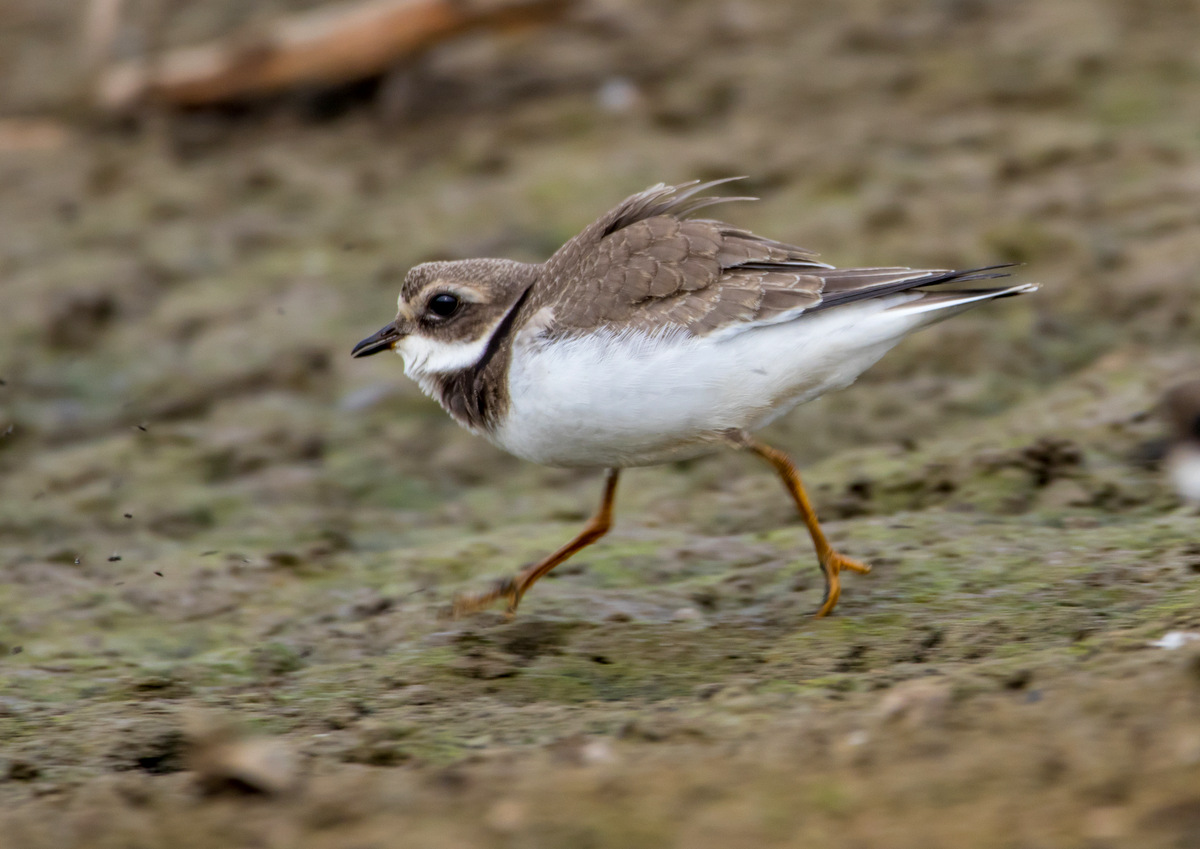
(627, 399)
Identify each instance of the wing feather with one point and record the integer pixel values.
(646, 266)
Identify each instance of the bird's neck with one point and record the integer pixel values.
(476, 396)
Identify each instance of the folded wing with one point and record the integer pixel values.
(645, 266)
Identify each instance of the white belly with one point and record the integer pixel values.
(635, 400)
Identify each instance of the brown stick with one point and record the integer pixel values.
(334, 44)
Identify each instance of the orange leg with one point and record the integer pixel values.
(830, 561)
(512, 589)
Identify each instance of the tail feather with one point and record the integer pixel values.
(846, 285)
(935, 301)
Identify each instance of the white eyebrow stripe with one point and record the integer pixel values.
(467, 293)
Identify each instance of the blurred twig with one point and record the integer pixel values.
(333, 44)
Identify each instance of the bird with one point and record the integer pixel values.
(654, 336)
(1181, 406)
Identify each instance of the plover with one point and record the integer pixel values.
(653, 336)
(1182, 407)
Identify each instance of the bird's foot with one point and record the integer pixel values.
(832, 564)
(505, 588)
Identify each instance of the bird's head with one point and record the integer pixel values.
(448, 312)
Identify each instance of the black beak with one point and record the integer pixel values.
(381, 341)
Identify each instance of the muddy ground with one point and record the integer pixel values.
(213, 522)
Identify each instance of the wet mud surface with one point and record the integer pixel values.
(226, 548)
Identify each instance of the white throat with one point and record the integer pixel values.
(424, 357)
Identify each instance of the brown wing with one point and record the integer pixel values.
(644, 266)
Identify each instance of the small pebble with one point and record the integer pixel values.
(1187, 749)
(223, 760)
(617, 95)
(1175, 640)
(597, 752)
(1107, 823)
(857, 738)
(506, 816)
(685, 614)
(919, 703)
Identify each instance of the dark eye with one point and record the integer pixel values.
(443, 305)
